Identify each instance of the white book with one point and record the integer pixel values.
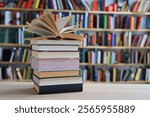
(12, 55)
(55, 54)
(55, 42)
(98, 21)
(84, 74)
(93, 57)
(105, 58)
(99, 56)
(144, 5)
(130, 39)
(113, 57)
(54, 48)
(55, 4)
(8, 17)
(77, 21)
(145, 37)
(85, 5)
(140, 6)
(10, 72)
(81, 22)
(18, 73)
(107, 75)
(148, 7)
(70, 5)
(112, 22)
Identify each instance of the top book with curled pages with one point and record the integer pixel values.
(46, 26)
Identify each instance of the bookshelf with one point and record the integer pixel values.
(15, 61)
(78, 18)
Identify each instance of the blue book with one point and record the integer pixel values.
(148, 22)
(85, 20)
(114, 40)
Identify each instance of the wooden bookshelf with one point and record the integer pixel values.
(124, 82)
(13, 26)
(113, 47)
(9, 45)
(98, 12)
(13, 64)
(20, 9)
(113, 30)
(114, 65)
(75, 11)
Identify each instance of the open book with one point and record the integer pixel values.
(46, 26)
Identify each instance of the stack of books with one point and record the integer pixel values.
(56, 66)
(55, 56)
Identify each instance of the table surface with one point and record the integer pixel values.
(91, 91)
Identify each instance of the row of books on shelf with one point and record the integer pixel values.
(102, 5)
(127, 39)
(11, 36)
(17, 18)
(15, 54)
(116, 74)
(95, 5)
(15, 73)
(26, 4)
(86, 20)
(115, 57)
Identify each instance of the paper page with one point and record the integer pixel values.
(61, 22)
(70, 28)
(42, 24)
(39, 31)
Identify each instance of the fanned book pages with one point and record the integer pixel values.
(46, 26)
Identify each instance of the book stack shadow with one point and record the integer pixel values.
(55, 66)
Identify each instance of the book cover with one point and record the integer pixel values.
(58, 88)
(55, 64)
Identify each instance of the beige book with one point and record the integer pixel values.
(44, 54)
(138, 74)
(114, 74)
(57, 73)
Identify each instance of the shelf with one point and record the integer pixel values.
(123, 82)
(114, 30)
(75, 11)
(113, 47)
(12, 26)
(15, 80)
(20, 9)
(99, 12)
(113, 65)
(13, 64)
(6, 45)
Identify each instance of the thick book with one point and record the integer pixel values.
(57, 80)
(46, 26)
(54, 48)
(55, 54)
(55, 64)
(38, 41)
(64, 88)
(56, 73)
